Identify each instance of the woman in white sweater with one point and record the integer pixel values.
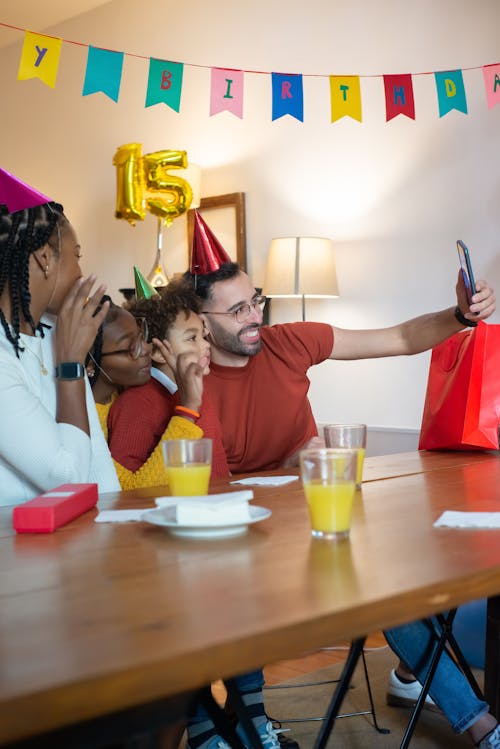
(50, 432)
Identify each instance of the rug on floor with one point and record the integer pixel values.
(432, 732)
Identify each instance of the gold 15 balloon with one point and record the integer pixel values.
(145, 183)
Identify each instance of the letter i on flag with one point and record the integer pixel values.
(491, 75)
(40, 58)
(399, 96)
(345, 97)
(226, 91)
(450, 91)
(164, 83)
(103, 73)
(288, 97)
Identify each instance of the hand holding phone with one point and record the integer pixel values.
(466, 268)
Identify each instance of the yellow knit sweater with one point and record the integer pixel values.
(152, 472)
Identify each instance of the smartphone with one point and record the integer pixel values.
(466, 267)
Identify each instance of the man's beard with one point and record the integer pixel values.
(226, 341)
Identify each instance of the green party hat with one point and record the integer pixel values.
(143, 289)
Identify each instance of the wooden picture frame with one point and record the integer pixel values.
(225, 215)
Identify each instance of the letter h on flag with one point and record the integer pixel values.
(399, 96)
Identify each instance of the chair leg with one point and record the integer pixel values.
(355, 652)
(370, 697)
(308, 719)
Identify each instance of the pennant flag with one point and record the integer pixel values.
(399, 96)
(491, 75)
(288, 97)
(226, 91)
(104, 72)
(450, 91)
(164, 83)
(39, 58)
(345, 97)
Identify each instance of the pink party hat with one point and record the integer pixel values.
(17, 195)
(208, 254)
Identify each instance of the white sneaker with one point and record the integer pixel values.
(400, 694)
(492, 741)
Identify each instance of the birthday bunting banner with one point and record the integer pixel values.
(40, 59)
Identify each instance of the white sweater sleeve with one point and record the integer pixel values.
(37, 453)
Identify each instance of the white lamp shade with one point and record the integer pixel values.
(301, 266)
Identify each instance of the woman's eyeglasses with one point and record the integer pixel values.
(243, 312)
(135, 348)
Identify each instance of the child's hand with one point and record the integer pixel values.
(189, 378)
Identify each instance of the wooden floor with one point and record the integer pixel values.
(283, 670)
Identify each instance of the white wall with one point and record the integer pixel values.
(393, 196)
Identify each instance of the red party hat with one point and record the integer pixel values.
(17, 195)
(208, 254)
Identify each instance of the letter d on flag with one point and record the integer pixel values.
(450, 91)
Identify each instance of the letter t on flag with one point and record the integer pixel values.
(399, 96)
(40, 58)
(226, 91)
(345, 97)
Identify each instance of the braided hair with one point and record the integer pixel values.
(94, 356)
(21, 234)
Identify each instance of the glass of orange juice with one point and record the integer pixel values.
(188, 464)
(351, 436)
(329, 480)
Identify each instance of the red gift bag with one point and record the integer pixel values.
(462, 403)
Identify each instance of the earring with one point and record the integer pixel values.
(46, 271)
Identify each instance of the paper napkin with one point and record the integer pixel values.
(119, 516)
(454, 519)
(214, 500)
(266, 480)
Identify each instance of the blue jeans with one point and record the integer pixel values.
(469, 628)
(249, 682)
(449, 687)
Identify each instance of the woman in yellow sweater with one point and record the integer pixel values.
(120, 358)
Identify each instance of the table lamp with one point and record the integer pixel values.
(301, 267)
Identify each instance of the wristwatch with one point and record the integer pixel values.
(70, 370)
(463, 320)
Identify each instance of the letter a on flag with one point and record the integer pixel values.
(40, 58)
(491, 75)
(399, 96)
(226, 92)
(345, 97)
(450, 91)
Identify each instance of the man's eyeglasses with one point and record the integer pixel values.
(135, 348)
(244, 311)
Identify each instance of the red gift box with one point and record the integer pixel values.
(45, 513)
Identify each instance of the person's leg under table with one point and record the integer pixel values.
(492, 658)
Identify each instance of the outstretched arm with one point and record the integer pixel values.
(416, 335)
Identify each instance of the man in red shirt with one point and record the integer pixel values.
(258, 382)
(258, 377)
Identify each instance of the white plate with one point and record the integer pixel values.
(165, 517)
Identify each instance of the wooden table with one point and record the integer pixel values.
(100, 617)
